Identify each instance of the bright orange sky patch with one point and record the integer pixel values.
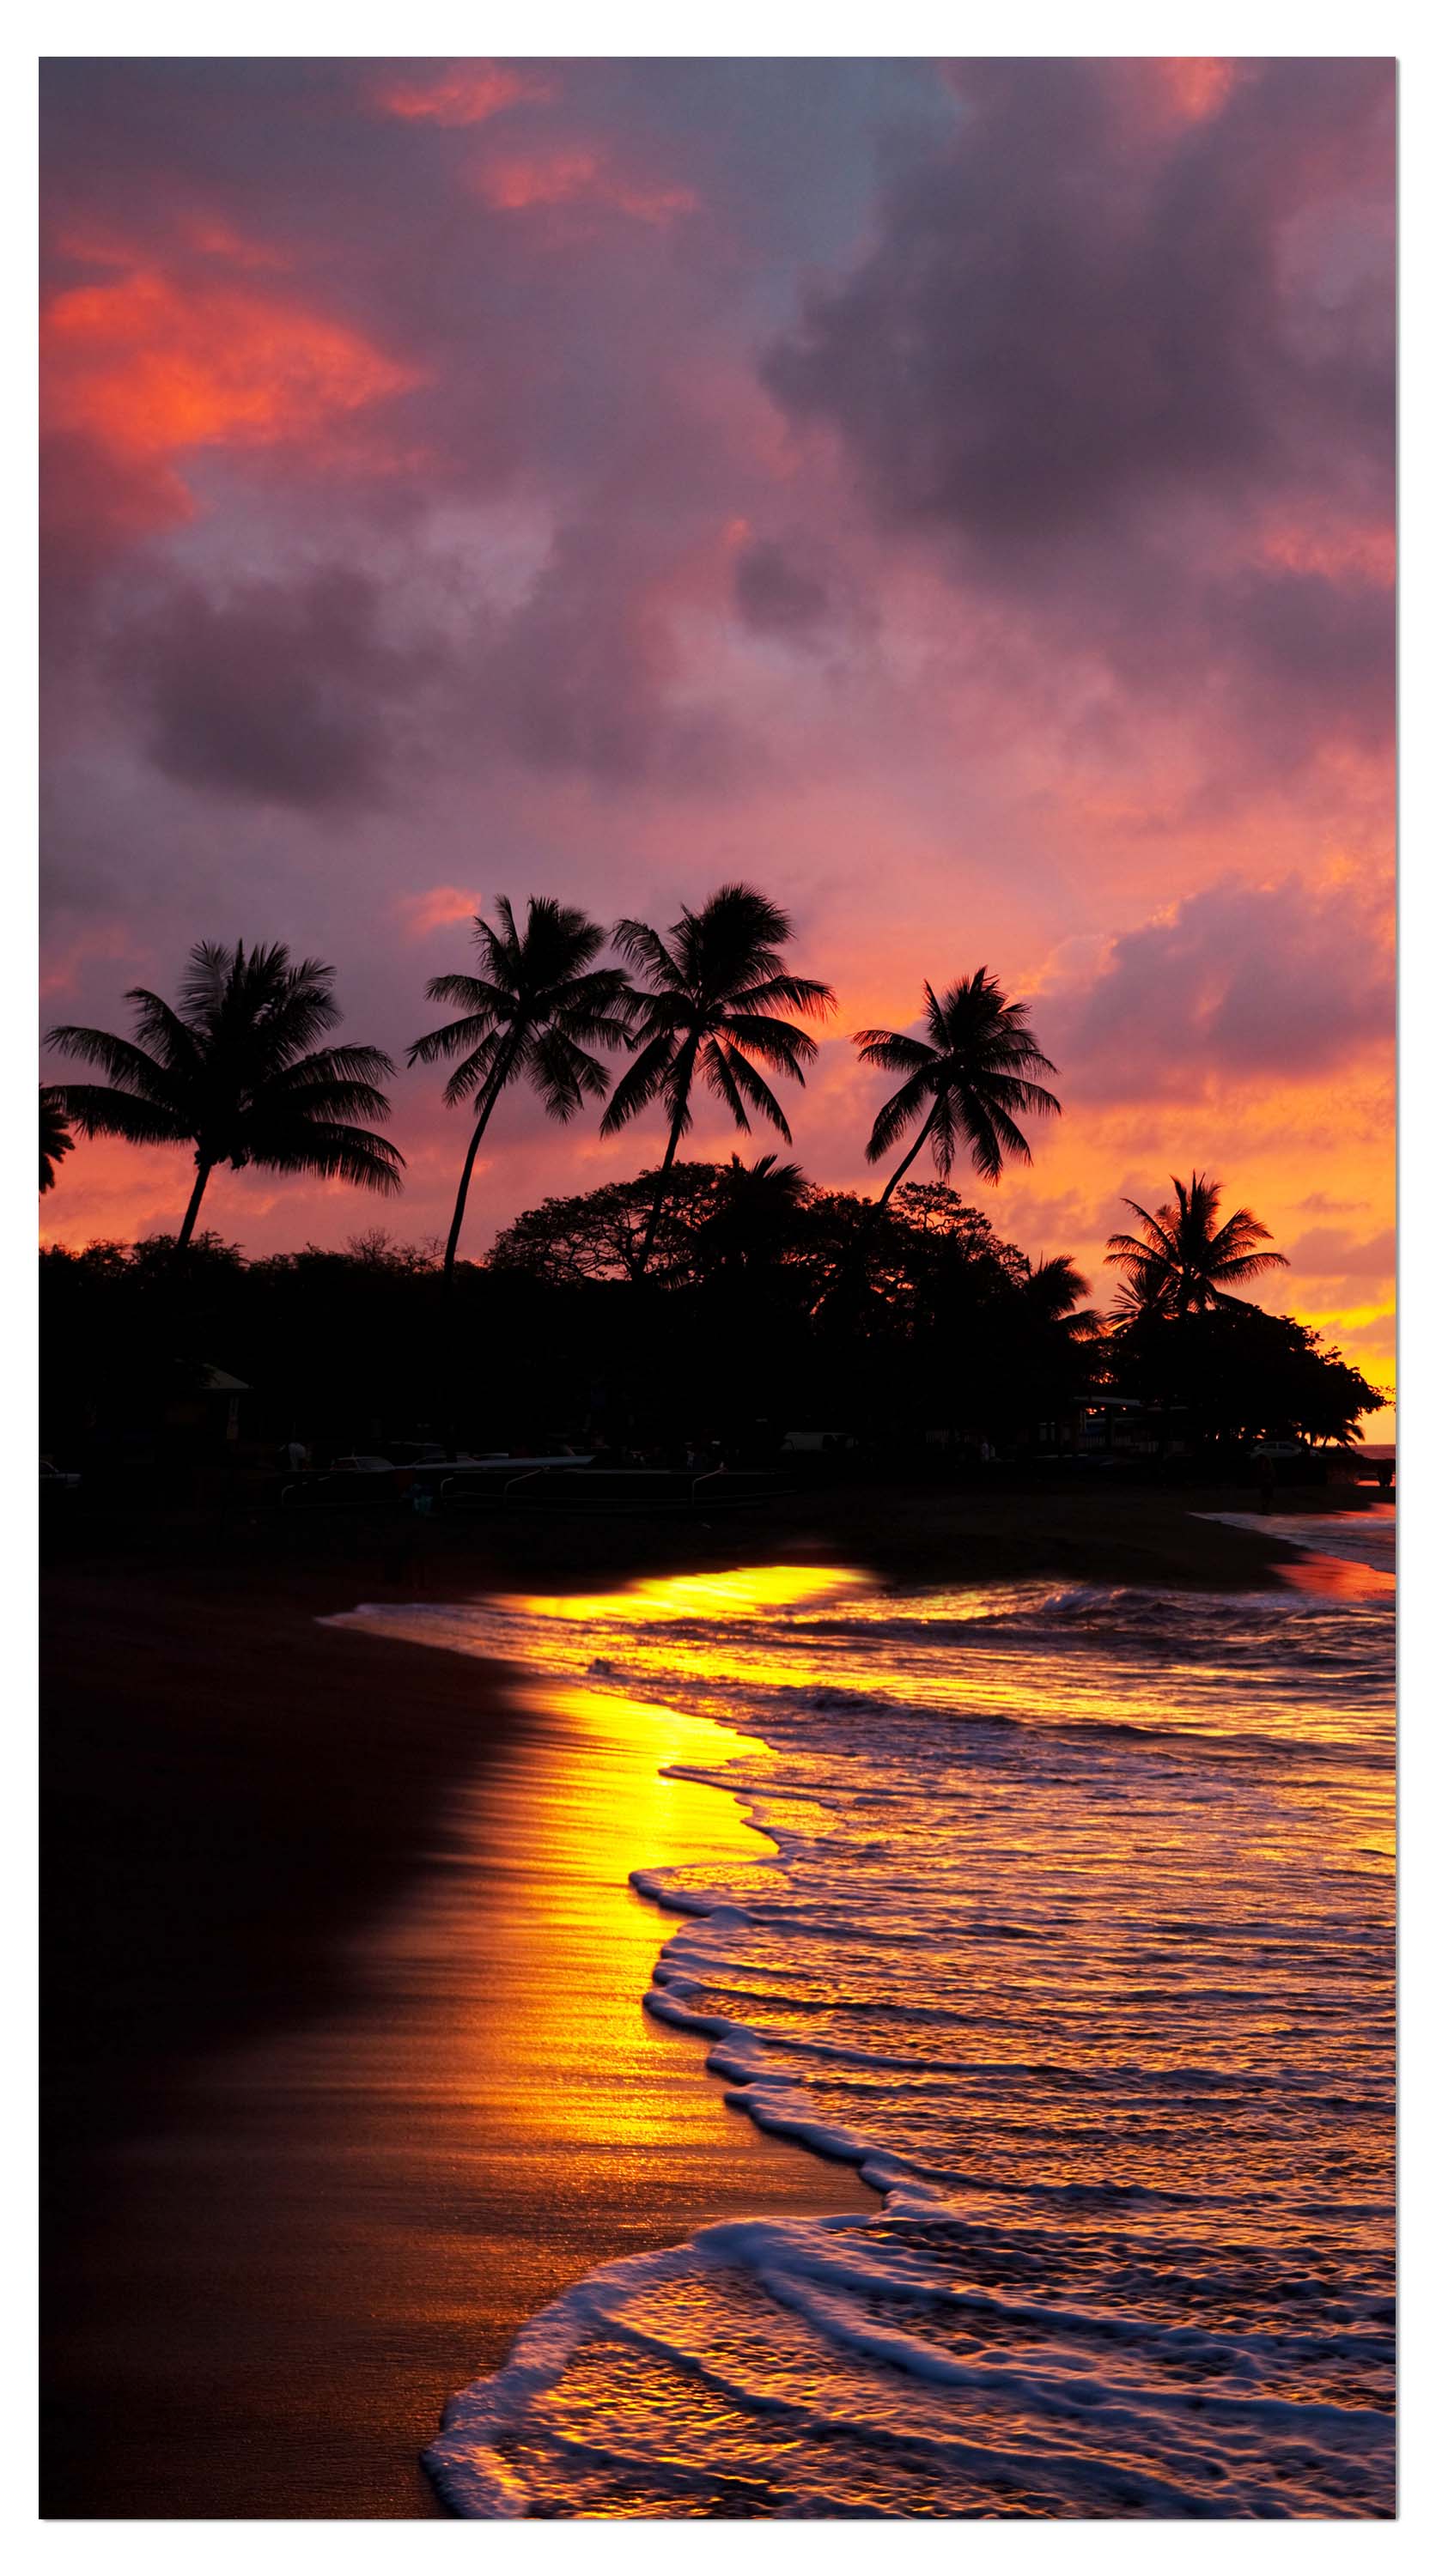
(153, 368)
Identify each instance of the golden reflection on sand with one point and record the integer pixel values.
(491, 2116)
(566, 2018)
(746, 1592)
(1341, 1578)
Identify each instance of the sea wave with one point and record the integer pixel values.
(1068, 1926)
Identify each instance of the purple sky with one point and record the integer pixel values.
(957, 496)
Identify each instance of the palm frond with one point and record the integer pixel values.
(334, 1151)
(745, 1078)
(641, 1084)
(897, 1115)
(98, 1111)
(891, 1051)
(452, 1039)
(470, 993)
(566, 1075)
(640, 946)
(786, 993)
(128, 1065)
(776, 1041)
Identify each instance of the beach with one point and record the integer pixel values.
(330, 2109)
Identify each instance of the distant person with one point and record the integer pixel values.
(294, 1456)
(1385, 1474)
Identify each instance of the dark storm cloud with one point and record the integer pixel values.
(1084, 301)
(1273, 981)
(581, 676)
(1104, 349)
(555, 299)
(282, 694)
(777, 593)
(1323, 648)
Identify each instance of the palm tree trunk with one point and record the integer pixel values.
(451, 1249)
(858, 1250)
(911, 1155)
(192, 1211)
(661, 1193)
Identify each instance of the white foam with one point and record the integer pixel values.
(1067, 1926)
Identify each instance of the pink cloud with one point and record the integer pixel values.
(104, 940)
(421, 913)
(468, 94)
(576, 176)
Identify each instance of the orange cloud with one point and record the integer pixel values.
(1195, 85)
(577, 176)
(151, 368)
(421, 913)
(467, 95)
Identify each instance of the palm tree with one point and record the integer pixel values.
(537, 1008)
(714, 989)
(56, 1140)
(1053, 1291)
(1183, 1262)
(970, 1077)
(234, 1073)
(753, 1212)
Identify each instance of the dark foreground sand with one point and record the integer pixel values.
(346, 2071)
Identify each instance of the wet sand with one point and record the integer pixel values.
(270, 2262)
(345, 2066)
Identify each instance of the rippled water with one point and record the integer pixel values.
(1069, 1922)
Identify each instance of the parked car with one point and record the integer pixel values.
(55, 1477)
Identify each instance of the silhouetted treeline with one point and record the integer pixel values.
(766, 1305)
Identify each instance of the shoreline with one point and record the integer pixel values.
(319, 2207)
(264, 1928)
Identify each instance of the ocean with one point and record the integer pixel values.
(1069, 1925)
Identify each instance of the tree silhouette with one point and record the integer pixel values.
(712, 994)
(967, 1082)
(752, 1220)
(56, 1140)
(1053, 1291)
(233, 1072)
(1183, 1262)
(534, 1013)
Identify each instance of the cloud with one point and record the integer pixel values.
(1238, 982)
(152, 368)
(466, 94)
(1320, 1203)
(107, 940)
(585, 675)
(1326, 1253)
(421, 913)
(575, 175)
(1120, 358)
(283, 694)
(145, 373)
(1073, 308)
(1050, 586)
(778, 593)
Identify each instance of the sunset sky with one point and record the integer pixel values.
(956, 496)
